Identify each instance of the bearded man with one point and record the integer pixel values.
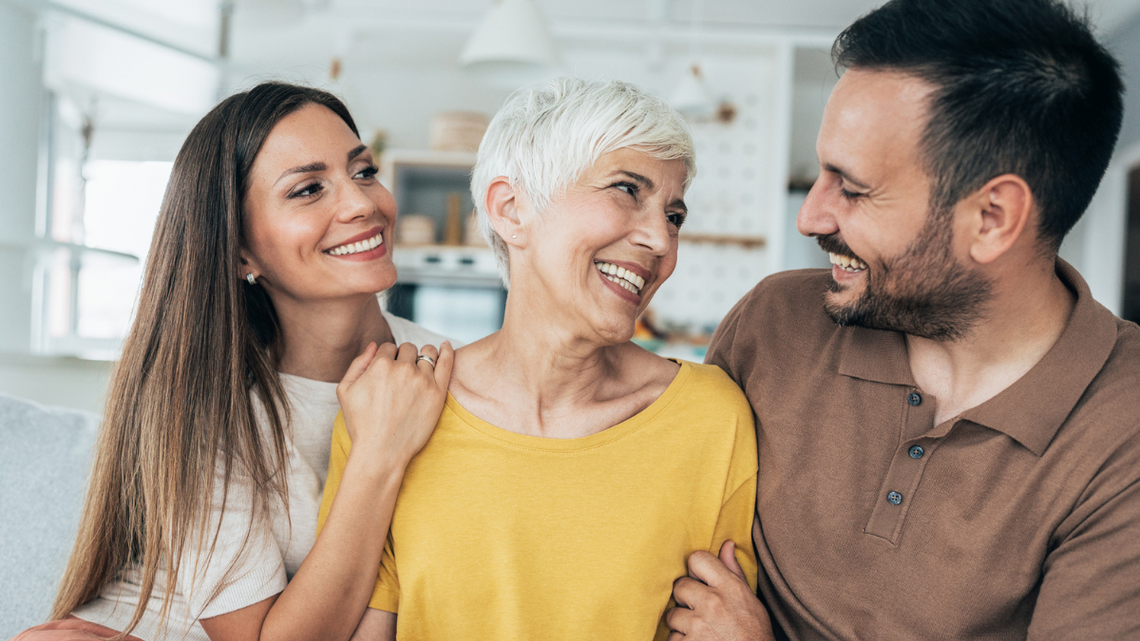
(948, 423)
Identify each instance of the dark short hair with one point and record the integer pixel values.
(1020, 87)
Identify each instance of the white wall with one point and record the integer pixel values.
(68, 382)
(20, 73)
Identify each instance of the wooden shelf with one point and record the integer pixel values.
(751, 242)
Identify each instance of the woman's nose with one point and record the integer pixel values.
(355, 203)
(653, 232)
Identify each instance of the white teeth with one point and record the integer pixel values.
(627, 279)
(847, 263)
(355, 248)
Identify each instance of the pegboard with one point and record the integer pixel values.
(730, 197)
(708, 281)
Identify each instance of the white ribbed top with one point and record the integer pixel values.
(274, 550)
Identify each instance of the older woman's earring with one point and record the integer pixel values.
(251, 278)
(515, 236)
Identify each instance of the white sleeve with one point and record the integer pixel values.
(241, 570)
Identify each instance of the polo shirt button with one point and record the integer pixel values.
(916, 452)
(915, 399)
(894, 498)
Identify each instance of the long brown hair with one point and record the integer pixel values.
(203, 341)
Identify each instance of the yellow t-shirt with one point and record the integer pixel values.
(497, 535)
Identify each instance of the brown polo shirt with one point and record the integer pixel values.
(1019, 518)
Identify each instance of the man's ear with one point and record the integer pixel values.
(999, 214)
(504, 204)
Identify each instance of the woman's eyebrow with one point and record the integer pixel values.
(320, 166)
(303, 169)
(357, 151)
(638, 177)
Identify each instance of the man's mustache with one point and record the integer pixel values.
(833, 244)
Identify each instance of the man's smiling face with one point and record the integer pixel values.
(894, 262)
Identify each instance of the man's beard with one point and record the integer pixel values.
(923, 291)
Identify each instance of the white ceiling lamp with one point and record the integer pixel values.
(512, 45)
(269, 14)
(693, 97)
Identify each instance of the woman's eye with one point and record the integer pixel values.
(368, 173)
(628, 188)
(849, 195)
(308, 189)
(676, 219)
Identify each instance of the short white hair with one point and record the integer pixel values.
(545, 138)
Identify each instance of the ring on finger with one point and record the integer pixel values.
(429, 359)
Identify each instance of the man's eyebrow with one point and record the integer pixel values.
(320, 166)
(846, 176)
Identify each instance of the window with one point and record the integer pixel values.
(90, 292)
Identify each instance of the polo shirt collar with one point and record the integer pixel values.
(1032, 409)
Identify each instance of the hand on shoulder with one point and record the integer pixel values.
(392, 397)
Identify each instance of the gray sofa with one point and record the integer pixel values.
(45, 456)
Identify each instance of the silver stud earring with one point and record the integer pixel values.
(515, 236)
(251, 278)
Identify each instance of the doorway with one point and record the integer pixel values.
(1130, 309)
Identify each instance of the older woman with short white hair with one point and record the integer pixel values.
(572, 472)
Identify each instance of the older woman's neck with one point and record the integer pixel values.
(551, 363)
(321, 339)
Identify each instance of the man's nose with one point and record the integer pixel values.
(815, 218)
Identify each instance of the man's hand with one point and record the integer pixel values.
(715, 603)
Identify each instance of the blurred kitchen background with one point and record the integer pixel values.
(97, 96)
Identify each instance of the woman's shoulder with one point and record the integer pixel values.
(709, 409)
(405, 331)
(711, 380)
(709, 386)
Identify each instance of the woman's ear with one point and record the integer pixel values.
(1000, 211)
(246, 264)
(504, 205)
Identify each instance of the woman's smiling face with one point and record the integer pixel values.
(317, 222)
(607, 244)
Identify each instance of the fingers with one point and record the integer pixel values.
(382, 353)
(443, 365)
(728, 558)
(680, 621)
(359, 365)
(427, 352)
(687, 591)
(708, 569)
(407, 353)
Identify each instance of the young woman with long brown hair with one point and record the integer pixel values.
(259, 295)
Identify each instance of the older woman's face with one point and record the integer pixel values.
(317, 220)
(606, 246)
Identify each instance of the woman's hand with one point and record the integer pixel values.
(392, 398)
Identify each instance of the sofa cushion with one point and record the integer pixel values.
(45, 457)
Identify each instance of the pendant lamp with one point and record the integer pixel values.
(692, 97)
(512, 45)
